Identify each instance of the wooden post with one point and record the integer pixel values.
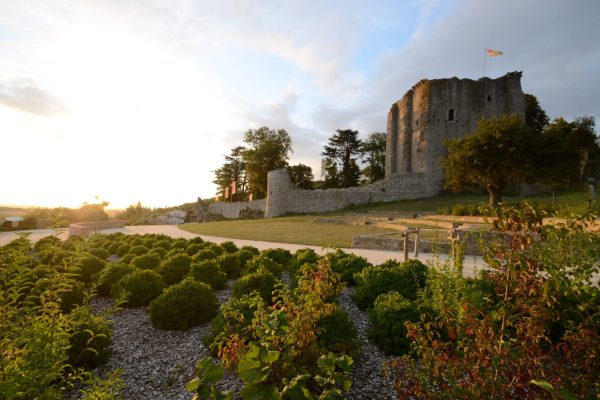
(405, 245)
(416, 253)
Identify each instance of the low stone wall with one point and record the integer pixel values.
(232, 209)
(87, 228)
(382, 242)
(284, 198)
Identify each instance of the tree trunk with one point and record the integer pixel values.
(495, 195)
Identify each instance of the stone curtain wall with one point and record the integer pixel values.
(284, 198)
(87, 228)
(232, 209)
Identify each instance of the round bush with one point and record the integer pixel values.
(46, 243)
(229, 247)
(262, 281)
(180, 244)
(146, 261)
(388, 315)
(208, 272)
(127, 258)
(159, 252)
(193, 248)
(110, 275)
(183, 306)
(215, 248)
(337, 332)
(230, 265)
(72, 297)
(141, 285)
(99, 252)
(88, 265)
(174, 268)
(301, 257)
(123, 249)
(197, 240)
(90, 339)
(264, 262)
(138, 250)
(163, 244)
(280, 256)
(347, 265)
(113, 247)
(244, 256)
(73, 243)
(205, 255)
(135, 240)
(251, 249)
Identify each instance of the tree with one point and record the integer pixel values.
(373, 150)
(535, 116)
(301, 176)
(497, 154)
(234, 170)
(268, 150)
(341, 153)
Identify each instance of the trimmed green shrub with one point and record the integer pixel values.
(174, 268)
(88, 265)
(244, 256)
(159, 252)
(72, 243)
(230, 265)
(251, 249)
(262, 281)
(110, 275)
(138, 250)
(99, 252)
(90, 339)
(123, 249)
(215, 248)
(135, 240)
(407, 279)
(388, 315)
(183, 306)
(113, 247)
(205, 255)
(163, 244)
(46, 243)
(347, 265)
(71, 297)
(197, 240)
(229, 247)
(127, 258)
(146, 261)
(301, 257)
(141, 285)
(180, 244)
(193, 248)
(337, 332)
(263, 262)
(208, 272)
(280, 256)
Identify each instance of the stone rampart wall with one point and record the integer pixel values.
(284, 198)
(232, 209)
(87, 228)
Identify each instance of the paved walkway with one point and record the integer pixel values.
(375, 257)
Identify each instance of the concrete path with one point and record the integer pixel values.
(375, 257)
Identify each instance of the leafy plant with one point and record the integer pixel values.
(174, 268)
(138, 287)
(208, 272)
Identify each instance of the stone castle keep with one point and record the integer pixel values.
(417, 126)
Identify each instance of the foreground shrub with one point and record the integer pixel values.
(336, 332)
(264, 262)
(146, 261)
(244, 256)
(123, 249)
(205, 255)
(138, 250)
(90, 339)
(111, 275)
(208, 272)
(99, 252)
(388, 315)
(193, 248)
(174, 268)
(280, 256)
(229, 247)
(138, 287)
(158, 252)
(230, 264)
(183, 306)
(347, 265)
(88, 265)
(406, 279)
(262, 281)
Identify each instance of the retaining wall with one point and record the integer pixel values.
(232, 209)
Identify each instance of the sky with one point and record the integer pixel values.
(139, 100)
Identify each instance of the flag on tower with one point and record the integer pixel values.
(493, 53)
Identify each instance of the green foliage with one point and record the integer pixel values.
(251, 249)
(183, 306)
(301, 176)
(159, 252)
(90, 338)
(406, 279)
(123, 249)
(262, 262)
(336, 332)
(138, 250)
(146, 261)
(230, 264)
(205, 255)
(280, 256)
(111, 275)
(347, 265)
(244, 256)
(262, 281)
(193, 248)
(174, 268)
(138, 287)
(208, 272)
(203, 385)
(388, 315)
(234, 170)
(163, 244)
(99, 252)
(229, 247)
(89, 265)
(341, 154)
(127, 259)
(373, 150)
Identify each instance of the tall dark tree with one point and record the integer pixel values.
(233, 170)
(301, 176)
(341, 154)
(373, 150)
(268, 150)
(535, 116)
(496, 155)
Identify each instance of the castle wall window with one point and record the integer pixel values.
(451, 114)
(489, 97)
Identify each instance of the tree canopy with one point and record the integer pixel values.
(373, 150)
(301, 176)
(233, 170)
(341, 155)
(268, 150)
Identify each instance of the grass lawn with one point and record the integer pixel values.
(300, 229)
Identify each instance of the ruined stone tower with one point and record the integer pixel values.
(439, 109)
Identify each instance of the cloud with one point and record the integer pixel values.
(27, 97)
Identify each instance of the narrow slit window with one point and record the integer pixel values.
(451, 114)
(489, 97)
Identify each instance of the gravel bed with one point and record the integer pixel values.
(156, 364)
(368, 380)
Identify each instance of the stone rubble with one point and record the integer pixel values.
(156, 364)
